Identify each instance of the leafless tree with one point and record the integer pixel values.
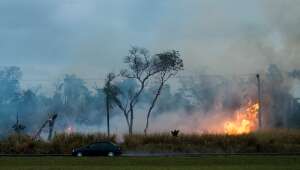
(141, 69)
(166, 65)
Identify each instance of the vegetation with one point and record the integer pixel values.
(273, 141)
(77, 104)
(279, 141)
(153, 163)
(110, 91)
(143, 69)
(60, 144)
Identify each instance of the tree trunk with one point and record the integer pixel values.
(131, 106)
(107, 116)
(51, 126)
(152, 106)
(131, 120)
(127, 119)
(40, 130)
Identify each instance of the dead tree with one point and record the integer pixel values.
(51, 126)
(18, 127)
(50, 121)
(140, 69)
(167, 65)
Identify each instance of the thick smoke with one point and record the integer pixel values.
(72, 101)
(200, 103)
(213, 38)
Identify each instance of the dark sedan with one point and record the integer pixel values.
(98, 149)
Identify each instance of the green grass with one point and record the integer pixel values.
(153, 163)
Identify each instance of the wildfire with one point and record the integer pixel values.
(245, 120)
(69, 130)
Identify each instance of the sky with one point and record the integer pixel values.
(49, 38)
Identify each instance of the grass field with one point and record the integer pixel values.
(265, 141)
(153, 163)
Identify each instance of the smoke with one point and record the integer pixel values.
(230, 41)
(90, 38)
(199, 103)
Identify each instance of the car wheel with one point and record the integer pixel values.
(110, 154)
(79, 154)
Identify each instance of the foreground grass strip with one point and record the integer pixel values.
(153, 163)
(157, 168)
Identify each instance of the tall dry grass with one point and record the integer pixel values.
(267, 141)
(64, 143)
(60, 144)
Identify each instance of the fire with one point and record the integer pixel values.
(69, 130)
(245, 121)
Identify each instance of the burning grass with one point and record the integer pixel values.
(245, 120)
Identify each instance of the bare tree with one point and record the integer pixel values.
(140, 69)
(18, 127)
(167, 65)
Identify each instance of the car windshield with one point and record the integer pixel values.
(112, 143)
(92, 145)
(95, 145)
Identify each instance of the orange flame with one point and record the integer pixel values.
(245, 120)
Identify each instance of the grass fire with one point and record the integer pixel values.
(245, 120)
(150, 81)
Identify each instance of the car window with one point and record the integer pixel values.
(105, 145)
(98, 146)
(93, 146)
(112, 144)
(101, 146)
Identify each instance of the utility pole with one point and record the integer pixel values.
(259, 101)
(107, 114)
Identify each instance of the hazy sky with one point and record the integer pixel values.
(47, 38)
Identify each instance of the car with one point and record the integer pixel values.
(98, 149)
